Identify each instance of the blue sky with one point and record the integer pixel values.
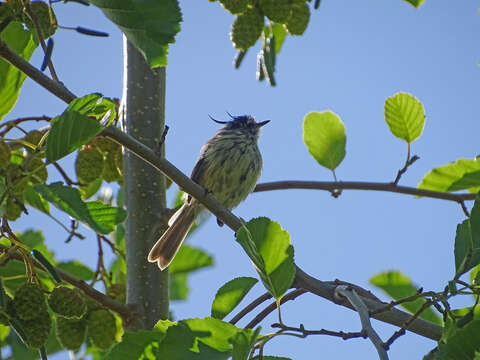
(352, 57)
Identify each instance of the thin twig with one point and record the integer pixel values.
(112, 246)
(273, 306)
(464, 208)
(408, 162)
(250, 307)
(62, 172)
(414, 297)
(363, 312)
(304, 332)
(8, 125)
(39, 31)
(403, 329)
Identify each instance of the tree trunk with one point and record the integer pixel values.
(145, 199)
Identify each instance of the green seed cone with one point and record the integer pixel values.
(89, 164)
(246, 29)
(277, 10)
(298, 21)
(5, 154)
(67, 302)
(235, 6)
(102, 328)
(37, 330)
(29, 302)
(71, 333)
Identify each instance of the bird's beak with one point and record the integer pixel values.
(260, 124)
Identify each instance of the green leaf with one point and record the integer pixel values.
(35, 240)
(268, 246)
(467, 241)
(460, 175)
(135, 345)
(91, 188)
(415, 3)
(150, 25)
(230, 295)
(3, 197)
(69, 131)
(399, 286)
(405, 116)
(280, 34)
(4, 332)
(243, 343)
(77, 269)
(189, 259)
(178, 287)
(94, 105)
(461, 343)
(324, 135)
(100, 217)
(33, 199)
(22, 43)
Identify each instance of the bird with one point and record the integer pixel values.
(228, 168)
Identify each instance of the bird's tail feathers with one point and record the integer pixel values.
(167, 246)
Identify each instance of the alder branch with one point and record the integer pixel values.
(304, 332)
(363, 312)
(360, 185)
(123, 310)
(8, 125)
(250, 307)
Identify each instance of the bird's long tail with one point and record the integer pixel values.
(167, 246)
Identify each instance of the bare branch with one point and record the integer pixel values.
(304, 332)
(250, 307)
(359, 185)
(363, 312)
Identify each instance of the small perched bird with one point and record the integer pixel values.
(228, 167)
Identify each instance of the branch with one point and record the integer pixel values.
(304, 332)
(360, 185)
(261, 299)
(363, 312)
(394, 316)
(123, 310)
(56, 88)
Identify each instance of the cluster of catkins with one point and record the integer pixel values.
(76, 318)
(101, 158)
(249, 20)
(20, 169)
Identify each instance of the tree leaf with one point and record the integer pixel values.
(69, 131)
(460, 175)
(76, 268)
(415, 3)
(243, 343)
(100, 217)
(178, 287)
(94, 105)
(280, 34)
(33, 199)
(461, 342)
(150, 25)
(405, 116)
(268, 246)
(136, 345)
(22, 42)
(324, 135)
(399, 286)
(467, 241)
(189, 259)
(230, 294)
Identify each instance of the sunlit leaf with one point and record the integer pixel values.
(460, 175)
(100, 217)
(189, 259)
(150, 25)
(399, 286)
(22, 42)
(230, 294)
(405, 116)
(324, 135)
(268, 246)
